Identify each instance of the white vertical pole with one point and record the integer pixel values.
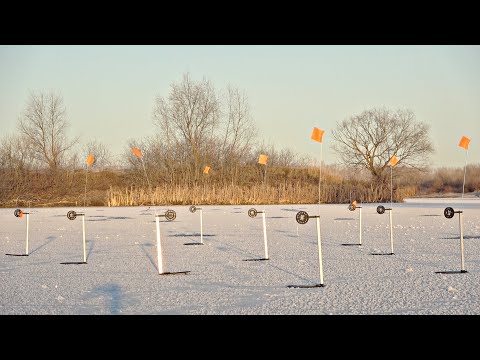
(360, 227)
(84, 247)
(159, 247)
(320, 177)
(319, 250)
(391, 186)
(461, 242)
(85, 198)
(391, 232)
(149, 187)
(265, 182)
(464, 172)
(26, 248)
(265, 235)
(201, 226)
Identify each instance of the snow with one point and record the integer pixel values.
(121, 275)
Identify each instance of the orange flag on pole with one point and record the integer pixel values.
(90, 159)
(137, 152)
(263, 159)
(393, 161)
(317, 134)
(464, 142)
(206, 170)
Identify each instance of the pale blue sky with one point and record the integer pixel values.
(109, 91)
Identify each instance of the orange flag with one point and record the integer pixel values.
(206, 170)
(393, 161)
(263, 159)
(317, 134)
(90, 159)
(464, 142)
(354, 203)
(137, 152)
(20, 214)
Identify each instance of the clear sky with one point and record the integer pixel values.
(109, 91)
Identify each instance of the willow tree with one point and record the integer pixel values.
(370, 139)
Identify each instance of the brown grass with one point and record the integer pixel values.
(284, 186)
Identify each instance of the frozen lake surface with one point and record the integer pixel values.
(121, 274)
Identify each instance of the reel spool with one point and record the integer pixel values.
(18, 213)
(448, 212)
(252, 212)
(193, 208)
(170, 215)
(380, 209)
(71, 215)
(352, 207)
(302, 217)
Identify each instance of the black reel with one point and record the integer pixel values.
(448, 212)
(252, 212)
(302, 217)
(380, 209)
(351, 207)
(18, 212)
(193, 208)
(170, 215)
(71, 215)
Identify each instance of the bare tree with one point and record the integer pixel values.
(370, 139)
(16, 153)
(102, 155)
(162, 161)
(16, 160)
(239, 132)
(44, 124)
(187, 119)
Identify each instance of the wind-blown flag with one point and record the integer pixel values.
(393, 161)
(317, 134)
(90, 159)
(263, 159)
(137, 152)
(464, 142)
(206, 170)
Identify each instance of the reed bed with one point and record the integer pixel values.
(295, 193)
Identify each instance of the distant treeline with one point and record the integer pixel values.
(197, 125)
(252, 185)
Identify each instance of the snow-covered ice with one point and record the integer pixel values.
(121, 275)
